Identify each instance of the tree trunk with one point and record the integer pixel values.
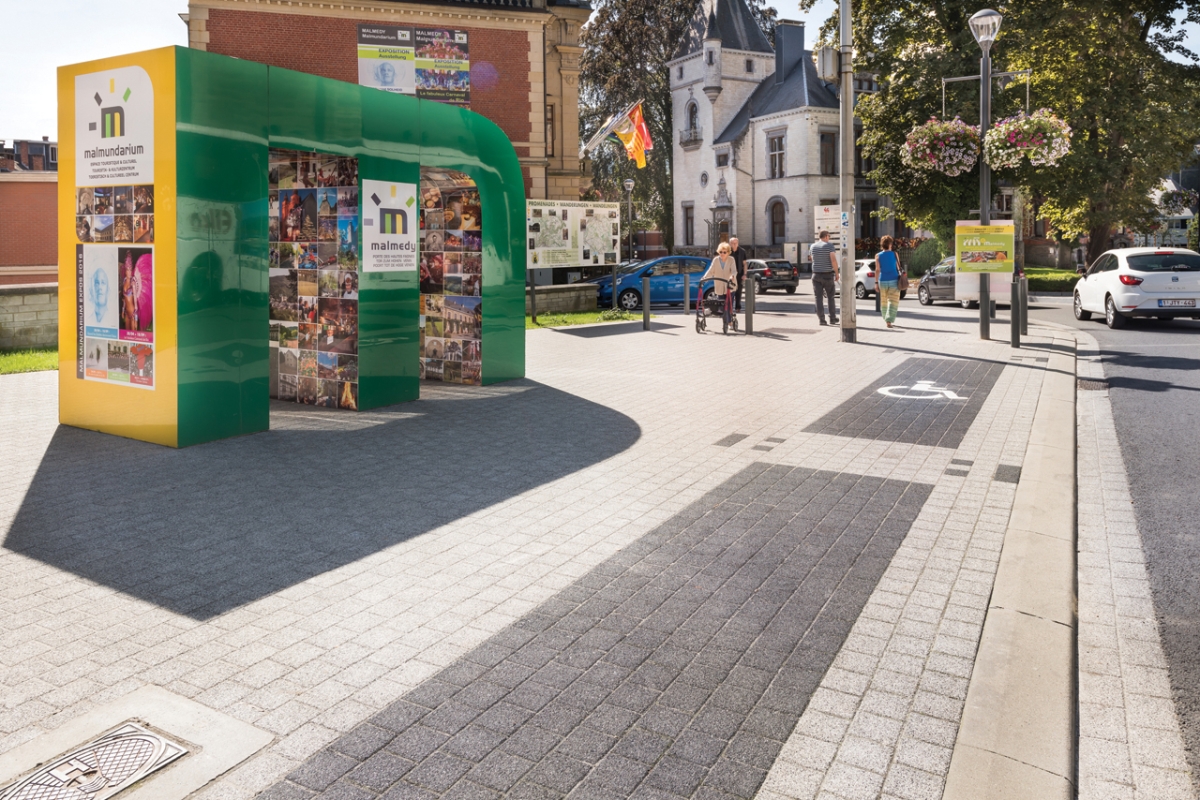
(1097, 242)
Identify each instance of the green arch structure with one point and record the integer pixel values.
(216, 118)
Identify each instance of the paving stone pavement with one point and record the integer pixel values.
(306, 579)
(1130, 743)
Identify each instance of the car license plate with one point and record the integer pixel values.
(1176, 303)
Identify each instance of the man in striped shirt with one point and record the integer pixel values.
(824, 275)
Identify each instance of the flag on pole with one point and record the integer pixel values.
(629, 129)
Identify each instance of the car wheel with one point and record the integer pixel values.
(790, 290)
(1115, 319)
(709, 295)
(860, 292)
(923, 296)
(1077, 307)
(969, 303)
(629, 300)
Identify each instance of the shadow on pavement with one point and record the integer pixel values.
(1142, 361)
(204, 530)
(598, 331)
(1145, 385)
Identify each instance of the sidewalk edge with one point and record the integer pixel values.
(1017, 738)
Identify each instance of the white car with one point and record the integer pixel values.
(864, 278)
(1162, 282)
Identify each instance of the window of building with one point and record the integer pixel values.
(710, 58)
(722, 159)
(829, 154)
(703, 179)
(689, 225)
(778, 225)
(868, 226)
(679, 73)
(775, 154)
(53, 155)
(549, 130)
(749, 65)
(693, 117)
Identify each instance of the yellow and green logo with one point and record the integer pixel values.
(112, 118)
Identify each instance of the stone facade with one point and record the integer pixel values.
(564, 298)
(28, 316)
(532, 45)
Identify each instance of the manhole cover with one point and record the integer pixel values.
(1091, 383)
(99, 769)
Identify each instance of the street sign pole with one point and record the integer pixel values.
(849, 307)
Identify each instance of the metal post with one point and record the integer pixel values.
(1024, 306)
(1014, 306)
(985, 187)
(750, 293)
(846, 121)
(532, 297)
(629, 203)
(646, 303)
(687, 293)
(614, 288)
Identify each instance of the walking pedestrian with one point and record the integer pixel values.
(888, 270)
(739, 258)
(824, 275)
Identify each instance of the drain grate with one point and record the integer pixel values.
(99, 769)
(1091, 384)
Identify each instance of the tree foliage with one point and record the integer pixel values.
(627, 45)
(1101, 65)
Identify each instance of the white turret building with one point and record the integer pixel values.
(757, 145)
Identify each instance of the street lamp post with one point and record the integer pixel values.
(985, 25)
(629, 203)
(846, 119)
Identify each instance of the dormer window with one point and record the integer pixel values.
(722, 159)
(710, 58)
(750, 65)
(679, 74)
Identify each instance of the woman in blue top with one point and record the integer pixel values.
(887, 276)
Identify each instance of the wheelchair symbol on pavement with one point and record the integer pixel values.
(922, 390)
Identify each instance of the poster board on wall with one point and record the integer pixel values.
(432, 63)
(566, 233)
(828, 218)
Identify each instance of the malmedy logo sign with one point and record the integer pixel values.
(114, 127)
(389, 238)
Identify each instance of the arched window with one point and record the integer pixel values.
(693, 117)
(778, 226)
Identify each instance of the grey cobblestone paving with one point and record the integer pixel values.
(380, 592)
(1130, 742)
(676, 668)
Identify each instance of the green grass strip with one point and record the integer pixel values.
(13, 361)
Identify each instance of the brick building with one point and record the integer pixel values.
(29, 154)
(524, 61)
(28, 227)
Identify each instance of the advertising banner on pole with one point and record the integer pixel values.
(566, 233)
(828, 218)
(984, 248)
(432, 63)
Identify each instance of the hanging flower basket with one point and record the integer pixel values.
(1176, 201)
(947, 146)
(1041, 137)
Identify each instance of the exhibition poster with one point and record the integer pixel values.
(566, 233)
(390, 219)
(114, 227)
(432, 63)
(451, 264)
(313, 228)
(984, 248)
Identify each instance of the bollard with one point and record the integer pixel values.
(687, 293)
(985, 320)
(991, 309)
(750, 287)
(645, 304)
(1024, 306)
(1014, 311)
(532, 298)
(614, 288)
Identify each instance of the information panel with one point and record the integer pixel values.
(984, 248)
(432, 63)
(565, 233)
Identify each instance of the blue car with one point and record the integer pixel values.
(666, 281)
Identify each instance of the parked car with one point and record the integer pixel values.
(666, 281)
(1161, 282)
(773, 274)
(938, 284)
(864, 279)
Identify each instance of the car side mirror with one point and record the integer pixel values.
(1080, 270)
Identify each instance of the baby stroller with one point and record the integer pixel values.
(717, 305)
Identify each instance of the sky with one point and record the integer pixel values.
(61, 32)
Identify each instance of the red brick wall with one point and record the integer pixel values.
(329, 47)
(28, 224)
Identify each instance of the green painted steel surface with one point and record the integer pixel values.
(221, 133)
(454, 138)
(229, 113)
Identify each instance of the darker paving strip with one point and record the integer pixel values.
(1008, 473)
(730, 440)
(922, 418)
(959, 473)
(676, 668)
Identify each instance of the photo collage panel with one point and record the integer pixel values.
(114, 227)
(451, 267)
(313, 227)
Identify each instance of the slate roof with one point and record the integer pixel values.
(735, 23)
(800, 88)
(527, 5)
